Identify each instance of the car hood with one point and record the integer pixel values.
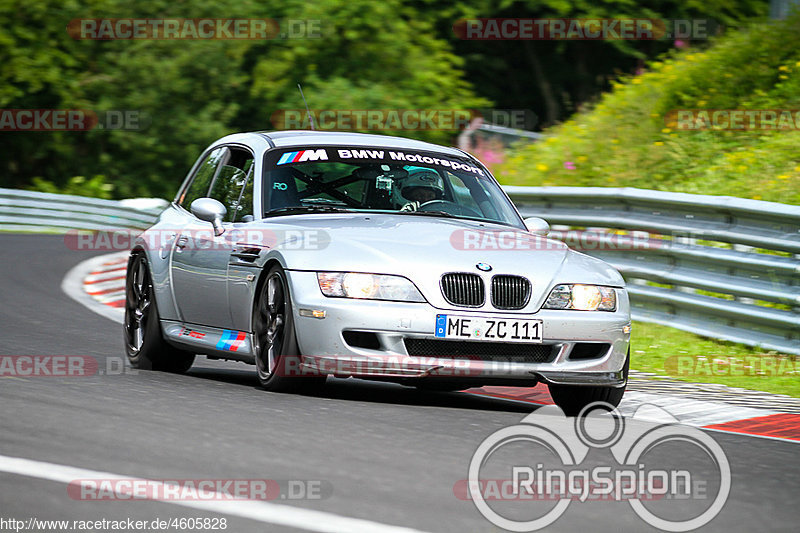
(422, 248)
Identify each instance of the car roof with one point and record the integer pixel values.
(299, 138)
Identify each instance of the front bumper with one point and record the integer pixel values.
(389, 325)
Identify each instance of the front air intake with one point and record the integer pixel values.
(463, 289)
(510, 292)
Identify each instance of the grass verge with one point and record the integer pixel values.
(688, 357)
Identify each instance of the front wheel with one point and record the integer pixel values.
(275, 342)
(573, 398)
(144, 344)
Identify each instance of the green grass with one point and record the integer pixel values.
(628, 139)
(33, 231)
(684, 356)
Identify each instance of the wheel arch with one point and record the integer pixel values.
(262, 278)
(160, 278)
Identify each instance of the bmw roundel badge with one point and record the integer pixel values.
(486, 267)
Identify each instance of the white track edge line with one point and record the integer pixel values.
(261, 511)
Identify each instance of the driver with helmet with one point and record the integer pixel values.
(422, 186)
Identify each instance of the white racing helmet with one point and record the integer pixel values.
(422, 178)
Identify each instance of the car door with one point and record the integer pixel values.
(199, 259)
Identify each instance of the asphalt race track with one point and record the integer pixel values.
(387, 455)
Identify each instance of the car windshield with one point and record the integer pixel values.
(379, 180)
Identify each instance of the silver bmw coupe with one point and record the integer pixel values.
(311, 254)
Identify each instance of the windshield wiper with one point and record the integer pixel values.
(429, 213)
(324, 201)
(307, 209)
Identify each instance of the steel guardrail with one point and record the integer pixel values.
(722, 267)
(38, 211)
(718, 266)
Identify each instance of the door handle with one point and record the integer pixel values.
(182, 242)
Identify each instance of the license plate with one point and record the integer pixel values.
(488, 329)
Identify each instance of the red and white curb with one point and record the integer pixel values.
(706, 414)
(98, 283)
(106, 283)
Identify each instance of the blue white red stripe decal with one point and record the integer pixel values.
(231, 340)
(290, 157)
(302, 156)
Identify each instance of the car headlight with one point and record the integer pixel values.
(582, 298)
(368, 286)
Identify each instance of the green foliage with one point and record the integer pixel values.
(554, 78)
(95, 187)
(625, 140)
(371, 55)
(390, 54)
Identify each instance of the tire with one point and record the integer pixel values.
(573, 398)
(274, 338)
(144, 344)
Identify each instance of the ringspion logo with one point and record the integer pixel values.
(543, 459)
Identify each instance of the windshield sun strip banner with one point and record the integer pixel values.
(376, 155)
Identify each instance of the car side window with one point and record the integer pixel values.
(233, 185)
(244, 207)
(203, 178)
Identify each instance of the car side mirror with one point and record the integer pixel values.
(210, 210)
(537, 226)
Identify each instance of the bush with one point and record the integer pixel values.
(625, 139)
(95, 187)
